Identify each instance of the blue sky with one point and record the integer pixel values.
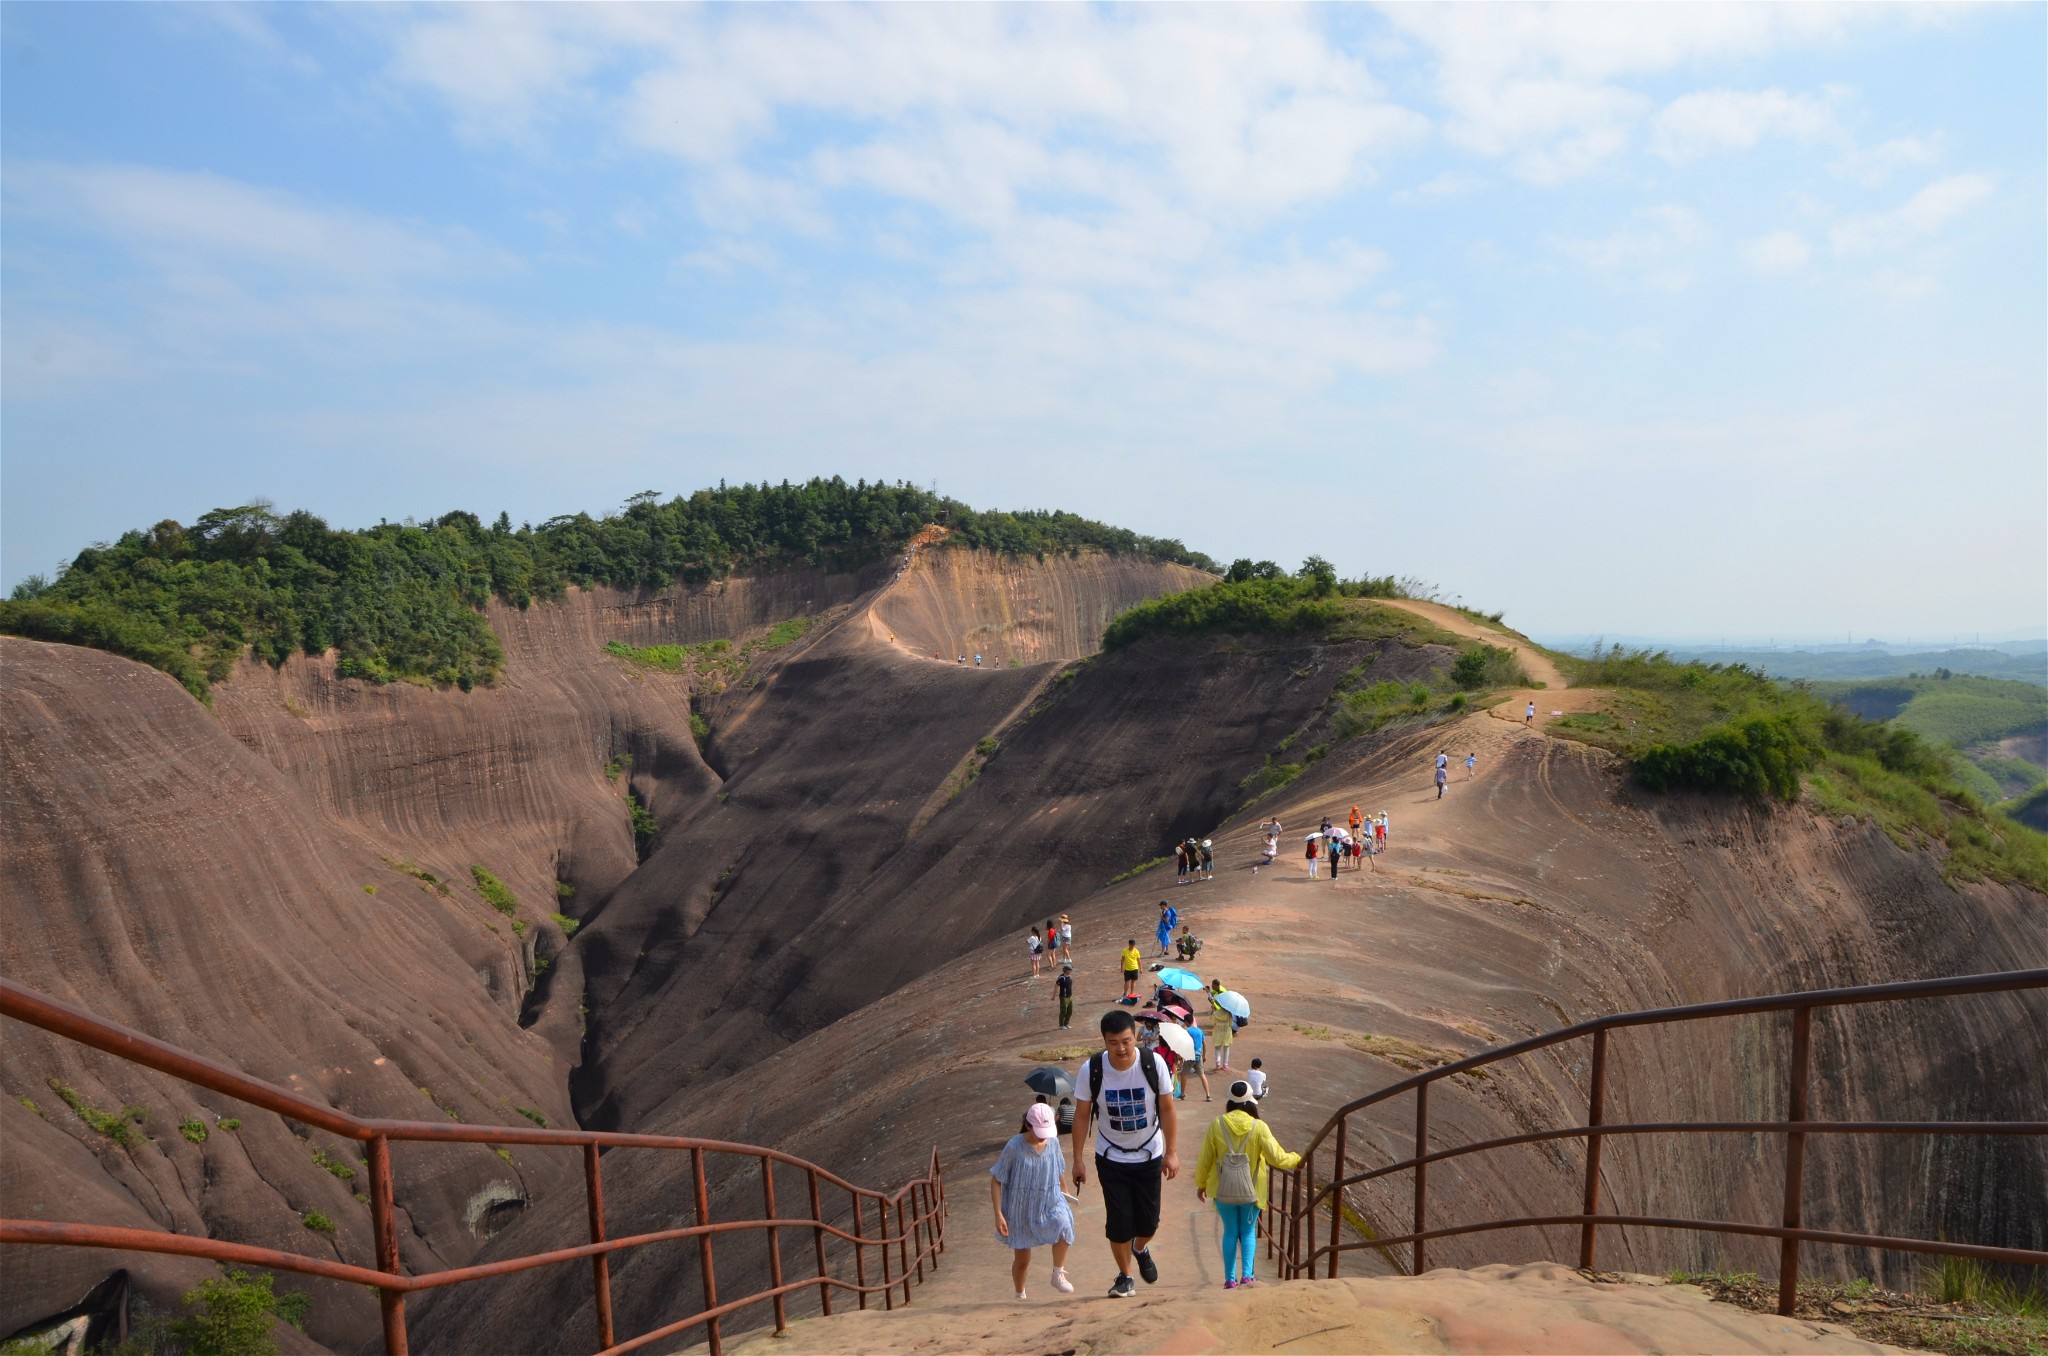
(1686, 320)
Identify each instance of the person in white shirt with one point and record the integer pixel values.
(1124, 1120)
(1257, 1078)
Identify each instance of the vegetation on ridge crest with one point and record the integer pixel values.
(405, 600)
(1258, 598)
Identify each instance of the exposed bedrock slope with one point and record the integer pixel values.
(160, 874)
(862, 836)
(1542, 893)
(950, 601)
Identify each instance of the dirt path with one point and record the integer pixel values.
(1539, 665)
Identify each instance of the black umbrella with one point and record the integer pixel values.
(1049, 1080)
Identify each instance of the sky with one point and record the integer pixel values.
(1680, 320)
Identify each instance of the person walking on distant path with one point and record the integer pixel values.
(1037, 944)
(1208, 859)
(1169, 919)
(1311, 858)
(1125, 1122)
(1065, 987)
(1066, 938)
(1194, 1064)
(1132, 960)
(1222, 1025)
(1529, 716)
(1471, 762)
(1031, 1208)
(1236, 1153)
(1443, 775)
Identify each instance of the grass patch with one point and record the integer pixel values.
(119, 1128)
(29, 1104)
(1140, 869)
(536, 1117)
(335, 1166)
(317, 1222)
(229, 1123)
(494, 892)
(1060, 1054)
(567, 924)
(1960, 1308)
(1400, 1053)
(427, 879)
(193, 1130)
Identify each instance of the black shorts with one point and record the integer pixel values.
(1130, 1197)
(1130, 976)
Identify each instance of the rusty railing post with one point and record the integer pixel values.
(600, 1265)
(1337, 1197)
(1294, 1194)
(902, 1250)
(712, 1337)
(774, 1241)
(1795, 1158)
(860, 1244)
(917, 1225)
(1272, 1200)
(1596, 1113)
(1308, 1212)
(888, 1283)
(939, 1177)
(818, 1240)
(382, 1220)
(1421, 1174)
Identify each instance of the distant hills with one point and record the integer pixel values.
(2023, 660)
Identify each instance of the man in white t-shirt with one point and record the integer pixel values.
(1124, 1120)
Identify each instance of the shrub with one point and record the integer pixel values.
(1484, 666)
(1756, 756)
(193, 1130)
(644, 823)
(322, 1159)
(235, 1316)
(567, 924)
(317, 1222)
(494, 892)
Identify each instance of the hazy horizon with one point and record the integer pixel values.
(1662, 320)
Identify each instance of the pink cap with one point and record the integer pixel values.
(1039, 1120)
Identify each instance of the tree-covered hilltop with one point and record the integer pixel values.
(406, 600)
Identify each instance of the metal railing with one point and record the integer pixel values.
(1298, 1199)
(918, 1207)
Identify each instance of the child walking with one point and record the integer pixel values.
(1236, 1153)
(1031, 1208)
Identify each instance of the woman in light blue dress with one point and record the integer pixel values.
(1030, 1203)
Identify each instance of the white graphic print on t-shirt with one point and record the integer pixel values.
(1126, 1121)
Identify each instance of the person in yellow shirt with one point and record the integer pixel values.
(1232, 1172)
(1133, 959)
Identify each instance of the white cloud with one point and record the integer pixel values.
(1874, 167)
(1540, 85)
(1707, 121)
(196, 216)
(1652, 247)
(1920, 217)
(1440, 188)
(1778, 252)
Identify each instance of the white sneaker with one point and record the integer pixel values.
(1060, 1281)
(1022, 1295)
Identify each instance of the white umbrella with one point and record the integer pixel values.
(1177, 1039)
(1234, 1003)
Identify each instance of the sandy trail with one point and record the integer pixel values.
(1553, 695)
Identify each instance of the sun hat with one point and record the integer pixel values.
(1207, 843)
(1240, 1091)
(1039, 1120)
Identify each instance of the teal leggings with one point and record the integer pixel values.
(1240, 1238)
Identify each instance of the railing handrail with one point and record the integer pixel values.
(1995, 982)
(924, 1227)
(1301, 1200)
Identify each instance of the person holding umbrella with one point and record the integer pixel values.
(1236, 1152)
(1031, 1210)
(1221, 1026)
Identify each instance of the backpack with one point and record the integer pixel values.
(1095, 1064)
(1234, 1185)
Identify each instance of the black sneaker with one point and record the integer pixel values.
(1147, 1268)
(1124, 1288)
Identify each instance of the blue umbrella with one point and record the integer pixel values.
(1181, 979)
(1234, 1003)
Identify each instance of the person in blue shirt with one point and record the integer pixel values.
(1169, 919)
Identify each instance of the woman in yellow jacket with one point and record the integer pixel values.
(1239, 1131)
